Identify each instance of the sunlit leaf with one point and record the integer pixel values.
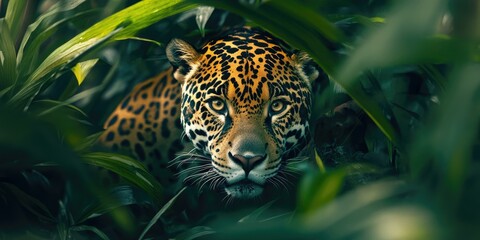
(120, 25)
(347, 205)
(8, 70)
(318, 160)
(35, 43)
(319, 189)
(14, 16)
(145, 40)
(35, 36)
(82, 69)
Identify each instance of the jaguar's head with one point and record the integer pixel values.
(246, 103)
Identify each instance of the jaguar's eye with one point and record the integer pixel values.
(277, 106)
(217, 105)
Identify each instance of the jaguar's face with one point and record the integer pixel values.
(245, 104)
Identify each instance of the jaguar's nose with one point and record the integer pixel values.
(247, 162)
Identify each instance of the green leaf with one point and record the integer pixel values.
(318, 189)
(450, 137)
(88, 142)
(30, 203)
(310, 18)
(253, 217)
(121, 25)
(129, 169)
(396, 42)
(144, 40)
(14, 16)
(118, 197)
(318, 160)
(36, 35)
(8, 65)
(195, 232)
(31, 87)
(435, 75)
(160, 213)
(71, 122)
(55, 105)
(394, 130)
(92, 229)
(347, 205)
(82, 69)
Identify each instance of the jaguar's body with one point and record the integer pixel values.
(243, 100)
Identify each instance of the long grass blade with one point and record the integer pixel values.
(92, 229)
(121, 25)
(8, 72)
(35, 36)
(160, 213)
(118, 197)
(14, 16)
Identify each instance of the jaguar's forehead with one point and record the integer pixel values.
(247, 67)
(246, 39)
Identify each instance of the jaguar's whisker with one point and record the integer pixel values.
(192, 169)
(208, 175)
(284, 181)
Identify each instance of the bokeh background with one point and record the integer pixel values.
(396, 116)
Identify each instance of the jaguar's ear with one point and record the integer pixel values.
(182, 56)
(307, 65)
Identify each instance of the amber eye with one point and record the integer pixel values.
(277, 106)
(217, 104)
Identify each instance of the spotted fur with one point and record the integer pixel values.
(243, 100)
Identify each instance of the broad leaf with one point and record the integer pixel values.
(129, 169)
(318, 189)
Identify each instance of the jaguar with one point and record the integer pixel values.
(243, 102)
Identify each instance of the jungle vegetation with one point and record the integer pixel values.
(401, 162)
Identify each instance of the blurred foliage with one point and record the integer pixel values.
(396, 119)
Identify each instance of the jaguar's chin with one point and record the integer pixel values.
(244, 189)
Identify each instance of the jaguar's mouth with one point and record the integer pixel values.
(244, 189)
